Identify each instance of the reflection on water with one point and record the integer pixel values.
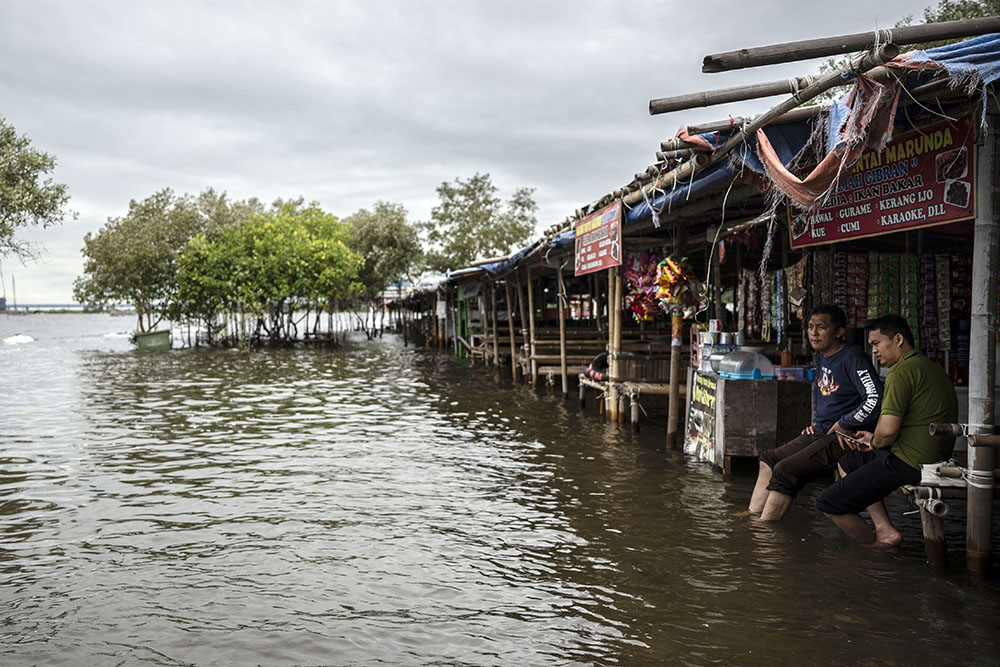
(382, 503)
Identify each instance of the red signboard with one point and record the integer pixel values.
(923, 178)
(599, 240)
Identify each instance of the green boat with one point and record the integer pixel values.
(153, 340)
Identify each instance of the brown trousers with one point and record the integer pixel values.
(800, 460)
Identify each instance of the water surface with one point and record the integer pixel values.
(385, 504)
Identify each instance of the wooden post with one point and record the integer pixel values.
(496, 337)
(934, 543)
(982, 350)
(561, 303)
(510, 330)
(583, 396)
(531, 330)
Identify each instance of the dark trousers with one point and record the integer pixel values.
(869, 477)
(800, 460)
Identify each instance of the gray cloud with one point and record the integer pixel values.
(350, 102)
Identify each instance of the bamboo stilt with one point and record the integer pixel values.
(934, 542)
(617, 345)
(561, 302)
(982, 350)
(520, 308)
(531, 329)
(610, 397)
(496, 337)
(673, 414)
(510, 330)
(634, 405)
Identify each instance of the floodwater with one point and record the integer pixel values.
(389, 505)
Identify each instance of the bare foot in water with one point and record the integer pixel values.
(891, 538)
(888, 538)
(744, 513)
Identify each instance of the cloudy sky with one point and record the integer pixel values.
(350, 102)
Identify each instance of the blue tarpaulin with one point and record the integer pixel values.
(787, 140)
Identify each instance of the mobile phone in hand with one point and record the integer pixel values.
(853, 439)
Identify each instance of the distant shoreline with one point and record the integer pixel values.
(32, 309)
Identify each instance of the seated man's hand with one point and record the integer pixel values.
(809, 430)
(839, 432)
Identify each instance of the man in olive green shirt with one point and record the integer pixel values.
(917, 393)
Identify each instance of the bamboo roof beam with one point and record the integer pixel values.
(709, 98)
(793, 116)
(675, 144)
(758, 90)
(833, 46)
(674, 155)
(923, 92)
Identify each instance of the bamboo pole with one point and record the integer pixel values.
(709, 98)
(510, 330)
(982, 349)
(561, 301)
(531, 329)
(496, 338)
(832, 46)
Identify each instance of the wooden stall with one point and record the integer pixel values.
(729, 417)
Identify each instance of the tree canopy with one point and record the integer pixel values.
(288, 259)
(134, 258)
(471, 222)
(388, 244)
(27, 196)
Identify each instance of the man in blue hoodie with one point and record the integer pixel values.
(847, 397)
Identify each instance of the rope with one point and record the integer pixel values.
(917, 102)
(979, 479)
(649, 202)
